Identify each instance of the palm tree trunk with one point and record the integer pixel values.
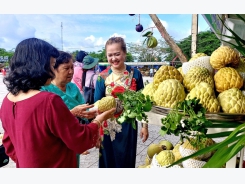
(167, 38)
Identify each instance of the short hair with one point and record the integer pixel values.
(80, 55)
(64, 57)
(30, 66)
(117, 40)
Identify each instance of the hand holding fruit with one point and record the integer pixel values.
(81, 111)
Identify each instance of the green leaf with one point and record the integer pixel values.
(226, 153)
(148, 33)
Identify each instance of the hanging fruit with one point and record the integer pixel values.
(139, 28)
(151, 41)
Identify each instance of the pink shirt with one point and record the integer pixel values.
(77, 76)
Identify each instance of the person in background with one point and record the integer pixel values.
(39, 129)
(68, 91)
(89, 64)
(78, 71)
(119, 151)
(151, 72)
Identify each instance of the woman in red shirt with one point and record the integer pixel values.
(39, 129)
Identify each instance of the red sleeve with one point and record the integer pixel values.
(9, 147)
(63, 124)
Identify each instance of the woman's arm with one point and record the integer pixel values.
(63, 124)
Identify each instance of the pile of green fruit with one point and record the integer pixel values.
(164, 147)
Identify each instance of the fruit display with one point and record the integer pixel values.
(159, 155)
(204, 78)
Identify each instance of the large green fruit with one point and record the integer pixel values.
(151, 42)
(153, 149)
(166, 145)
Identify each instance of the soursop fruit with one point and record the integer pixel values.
(196, 75)
(206, 94)
(169, 93)
(227, 78)
(166, 72)
(105, 104)
(232, 101)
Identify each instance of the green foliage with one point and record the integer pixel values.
(135, 104)
(185, 119)
(207, 42)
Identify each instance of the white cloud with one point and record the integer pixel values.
(90, 38)
(100, 42)
(164, 23)
(118, 35)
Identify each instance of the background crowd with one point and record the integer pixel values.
(50, 97)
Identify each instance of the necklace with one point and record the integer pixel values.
(120, 72)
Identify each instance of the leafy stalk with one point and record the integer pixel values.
(135, 104)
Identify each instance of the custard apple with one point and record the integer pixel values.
(180, 69)
(196, 75)
(224, 56)
(149, 90)
(227, 78)
(165, 157)
(197, 55)
(169, 93)
(206, 94)
(232, 101)
(241, 68)
(105, 103)
(166, 72)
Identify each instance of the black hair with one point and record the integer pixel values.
(64, 57)
(80, 55)
(30, 66)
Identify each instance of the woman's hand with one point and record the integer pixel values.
(81, 111)
(144, 134)
(105, 115)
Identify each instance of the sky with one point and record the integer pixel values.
(90, 31)
(88, 25)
